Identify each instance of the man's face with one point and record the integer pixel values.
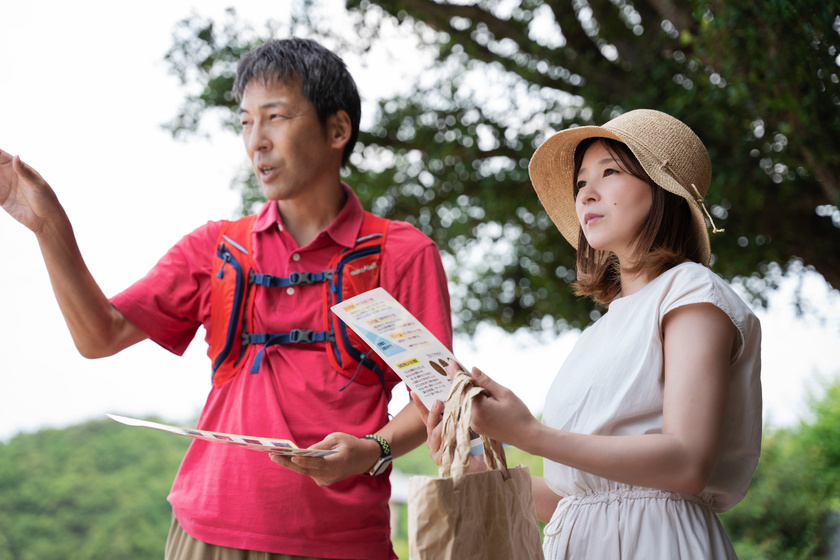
(288, 147)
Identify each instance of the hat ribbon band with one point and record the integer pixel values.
(697, 196)
(699, 199)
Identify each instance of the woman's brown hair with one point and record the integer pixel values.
(664, 240)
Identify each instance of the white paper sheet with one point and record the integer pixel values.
(401, 341)
(280, 446)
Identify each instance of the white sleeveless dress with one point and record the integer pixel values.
(611, 384)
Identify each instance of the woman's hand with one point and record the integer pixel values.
(500, 414)
(434, 433)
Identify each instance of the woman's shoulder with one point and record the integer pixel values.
(692, 275)
(691, 283)
(691, 272)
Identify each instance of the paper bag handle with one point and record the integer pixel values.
(455, 438)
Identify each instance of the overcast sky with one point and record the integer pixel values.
(83, 92)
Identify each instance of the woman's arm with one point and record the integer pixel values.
(544, 498)
(698, 342)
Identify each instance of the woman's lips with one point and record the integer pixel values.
(590, 218)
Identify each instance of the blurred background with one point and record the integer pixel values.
(126, 111)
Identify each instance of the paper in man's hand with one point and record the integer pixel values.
(279, 446)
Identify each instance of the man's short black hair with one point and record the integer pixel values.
(324, 79)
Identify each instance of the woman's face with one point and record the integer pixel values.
(611, 203)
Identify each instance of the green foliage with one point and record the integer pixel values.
(758, 81)
(518, 457)
(778, 518)
(822, 441)
(416, 462)
(791, 508)
(93, 491)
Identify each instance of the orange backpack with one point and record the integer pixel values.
(232, 289)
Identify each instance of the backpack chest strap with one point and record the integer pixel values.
(296, 336)
(293, 279)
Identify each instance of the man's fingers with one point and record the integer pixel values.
(421, 408)
(301, 465)
(281, 460)
(309, 464)
(452, 369)
(433, 418)
(25, 171)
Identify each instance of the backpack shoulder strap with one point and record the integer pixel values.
(355, 271)
(230, 304)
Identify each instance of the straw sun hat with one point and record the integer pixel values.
(671, 154)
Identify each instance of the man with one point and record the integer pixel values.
(300, 116)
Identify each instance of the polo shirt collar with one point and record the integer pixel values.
(344, 230)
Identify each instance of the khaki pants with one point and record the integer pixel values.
(181, 546)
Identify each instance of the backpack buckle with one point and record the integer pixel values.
(300, 336)
(297, 278)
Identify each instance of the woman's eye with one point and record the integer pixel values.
(609, 171)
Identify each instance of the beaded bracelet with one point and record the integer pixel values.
(386, 449)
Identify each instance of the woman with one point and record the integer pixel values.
(653, 424)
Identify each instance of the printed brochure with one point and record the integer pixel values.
(401, 341)
(280, 446)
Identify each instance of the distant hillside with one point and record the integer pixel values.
(89, 492)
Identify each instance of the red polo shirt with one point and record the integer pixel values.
(238, 498)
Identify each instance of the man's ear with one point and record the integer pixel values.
(339, 129)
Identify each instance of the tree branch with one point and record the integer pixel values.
(676, 14)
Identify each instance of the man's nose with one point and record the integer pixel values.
(257, 139)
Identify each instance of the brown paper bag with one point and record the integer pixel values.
(462, 515)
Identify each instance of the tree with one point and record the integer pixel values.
(758, 81)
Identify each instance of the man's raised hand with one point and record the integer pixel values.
(24, 194)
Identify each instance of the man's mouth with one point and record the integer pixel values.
(265, 171)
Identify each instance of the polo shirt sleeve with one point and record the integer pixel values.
(413, 273)
(173, 299)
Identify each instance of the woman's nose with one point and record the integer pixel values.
(587, 194)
